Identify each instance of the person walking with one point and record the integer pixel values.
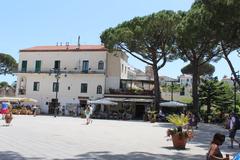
(233, 129)
(34, 110)
(214, 152)
(88, 113)
(4, 109)
(8, 115)
(63, 110)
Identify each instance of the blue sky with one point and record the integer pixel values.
(28, 23)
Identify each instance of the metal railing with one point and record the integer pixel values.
(68, 71)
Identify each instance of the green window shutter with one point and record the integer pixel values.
(36, 86)
(24, 66)
(38, 66)
(84, 88)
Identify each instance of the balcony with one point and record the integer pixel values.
(134, 87)
(65, 70)
(131, 92)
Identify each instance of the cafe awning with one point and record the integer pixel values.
(17, 99)
(10, 99)
(173, 104)
(102, 101)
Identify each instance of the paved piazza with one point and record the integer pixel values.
(46, 137)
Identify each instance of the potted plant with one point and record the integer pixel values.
(179, 135)
(152, 116)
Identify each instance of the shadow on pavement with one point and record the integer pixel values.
(133, 156)
(9, 155)
(204, 134)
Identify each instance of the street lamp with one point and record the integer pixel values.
(57, 74)
(235, 89)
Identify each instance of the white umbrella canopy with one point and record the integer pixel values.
(102, 101)
(173, 104)
(10, 99)
(30, 100)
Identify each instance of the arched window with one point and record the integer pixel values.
(100, 65)
(99, 89)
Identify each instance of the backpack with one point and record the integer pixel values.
(237, 123)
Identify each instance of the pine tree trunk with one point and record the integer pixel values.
(195, 87)
(156, 85)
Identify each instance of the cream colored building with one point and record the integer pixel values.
(82, 71)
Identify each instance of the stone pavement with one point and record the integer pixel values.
(46, 137)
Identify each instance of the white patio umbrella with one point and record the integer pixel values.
(10, 99)
(102, 101)
(30, 100)
(173, 104)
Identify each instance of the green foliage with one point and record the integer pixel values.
(205, 69)
(150, 39)
(214, 94)
(7, 64)
(187, 100)
(225, 23)
(168, 88)
(178, 120)
(144, 36)
(4, 84)
(195, 43)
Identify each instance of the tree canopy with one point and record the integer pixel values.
(213, 93)
(4, 84)
(205, 69)
(150, 39)
(7, 64)
(225, 22)
(195, 43)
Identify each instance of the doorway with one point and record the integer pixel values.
(140, 109)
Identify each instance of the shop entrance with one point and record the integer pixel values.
(140, 109)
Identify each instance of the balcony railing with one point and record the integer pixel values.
(131, 92)
(68, 71)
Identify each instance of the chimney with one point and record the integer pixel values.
(78, 42)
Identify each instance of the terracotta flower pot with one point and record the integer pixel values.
(179, 142)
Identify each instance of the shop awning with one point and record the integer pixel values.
(173, 104)
(102, 101)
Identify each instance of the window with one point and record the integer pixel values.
(55, 87)
(84, 88)
(57, 65)
(38, 66)
(24, 66)
(85, 66)
(100, 65)
(99, 89)
(122, 67)
(36, 86)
